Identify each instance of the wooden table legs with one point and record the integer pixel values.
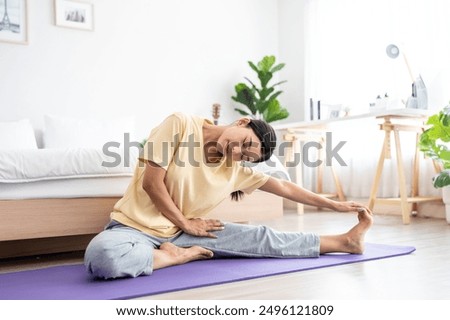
(408, 204)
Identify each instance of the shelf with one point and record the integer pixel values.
(420, 199)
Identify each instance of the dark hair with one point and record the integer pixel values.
(266, 134)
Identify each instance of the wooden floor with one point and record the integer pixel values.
(425, 274)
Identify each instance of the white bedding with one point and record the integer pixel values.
(18, 166)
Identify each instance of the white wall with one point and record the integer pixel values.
(145, 57)
(291, 23)
(346, 49)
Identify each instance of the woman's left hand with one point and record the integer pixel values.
(350, 206)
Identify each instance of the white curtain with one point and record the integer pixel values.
(347, 64)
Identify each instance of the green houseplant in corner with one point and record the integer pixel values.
(435, 143)
(261, 101)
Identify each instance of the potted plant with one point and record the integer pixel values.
(435, 143)
(261, 101)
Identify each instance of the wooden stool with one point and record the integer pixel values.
(296, 139)
(408, 204)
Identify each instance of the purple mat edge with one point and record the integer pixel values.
(101, 290)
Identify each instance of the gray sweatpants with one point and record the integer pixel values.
(121, 251)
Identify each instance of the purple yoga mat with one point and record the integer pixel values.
(72, 282)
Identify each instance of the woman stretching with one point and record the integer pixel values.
(188, 166)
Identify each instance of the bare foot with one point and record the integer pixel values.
(355, 237)
(170, 255)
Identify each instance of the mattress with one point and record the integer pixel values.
(90, 187)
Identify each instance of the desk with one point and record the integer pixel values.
(323, 124)
(394, 121)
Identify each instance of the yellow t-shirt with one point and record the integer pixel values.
(195, 186)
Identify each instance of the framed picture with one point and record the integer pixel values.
(74, 14)
(13, 21)
(334, 111)
(331, 111)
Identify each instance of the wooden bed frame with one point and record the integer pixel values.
(39, 226)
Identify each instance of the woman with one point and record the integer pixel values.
(187, 168)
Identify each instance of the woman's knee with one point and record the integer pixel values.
(113, 254)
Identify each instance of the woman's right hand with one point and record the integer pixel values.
(349, 206)
(203, 227)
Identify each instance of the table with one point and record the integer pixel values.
(394, 121)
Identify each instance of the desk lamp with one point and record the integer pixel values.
(419, 97)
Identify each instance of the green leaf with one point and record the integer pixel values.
(246, 96)
(441, 180)
(252, 65)
(444, 119)
(274, 111)
(264, 77)
(282, 114)
(242, 112)
(275, 95)
(271, 108)
(444, 155)
(265, 92)
(142, 143)
(277, 68)
(264, 104)
(266, 63)
(278, 83)
(253, 85)
(433, 120)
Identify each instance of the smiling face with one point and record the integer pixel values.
(240, 143)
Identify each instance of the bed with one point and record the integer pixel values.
(54, 200)
(57, 199)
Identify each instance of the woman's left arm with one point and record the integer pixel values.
(291, 191)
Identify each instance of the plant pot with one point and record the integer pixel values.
(446, 199)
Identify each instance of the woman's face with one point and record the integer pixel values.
(240, 143)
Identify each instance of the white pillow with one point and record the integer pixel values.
(17, 135)
(65, 132)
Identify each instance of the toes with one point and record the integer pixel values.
(209, 254)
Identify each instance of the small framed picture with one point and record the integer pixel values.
(13, 21)
(334, 111)
(331, 111)
(74, 14)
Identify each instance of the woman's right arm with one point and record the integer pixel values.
(154, 186)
